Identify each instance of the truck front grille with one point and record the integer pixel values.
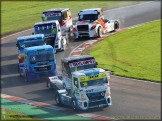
(96, 96)
(83, 28)
(50, 41)
(97, 103)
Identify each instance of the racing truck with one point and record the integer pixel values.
(52, 31)
(63, 15)
(39, 62)
(89, 89)
(28, 41)
(69, 65)
(91, 23)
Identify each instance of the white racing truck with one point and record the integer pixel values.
(91, 23)
(52, 31)
(63, 15)
(69, 65)
(89, 89)
(83, 86)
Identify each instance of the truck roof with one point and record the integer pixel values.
(72, 58)
(56, 9)
(46, 22)
(30, 37)
(39, 47)
(90, 9)
(89, 72)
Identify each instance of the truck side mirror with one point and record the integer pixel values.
(59, 30)
(32, 33)
(16, 45)
(96, 63)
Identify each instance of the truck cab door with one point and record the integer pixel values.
(75, 87)
(58, 30)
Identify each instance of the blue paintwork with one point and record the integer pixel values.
(67, 100)
(27, 68)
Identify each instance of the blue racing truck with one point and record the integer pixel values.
(28, 41)
(39, 62)
(52, 31)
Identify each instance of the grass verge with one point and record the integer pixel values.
(10, 115)
(134, 53)
(20, 15)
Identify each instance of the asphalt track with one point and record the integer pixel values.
(130, 97)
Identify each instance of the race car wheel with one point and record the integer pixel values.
(74, 105)
(49, 85)
(57, 99)
(99, 32)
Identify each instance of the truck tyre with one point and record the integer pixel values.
(71, 31)
(63, 46)
(57, 99)
(49, 85)
(26, 77)
(64, 86)
(74, 105)
(116, 25)
(99, 32)
(19, 70)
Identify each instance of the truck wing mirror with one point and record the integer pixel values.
(96, 63)
(59, 30)
(32, 33)
(16, 45)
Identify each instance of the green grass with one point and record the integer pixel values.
(10, 115)
(19, 15)
(134, 53)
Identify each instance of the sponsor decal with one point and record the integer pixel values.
(81, 63)
(51, 14)
(92, 77)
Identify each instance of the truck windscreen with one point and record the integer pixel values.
(22, 45)
(94, 82)
(81, 65)
(41, 58)
(51, 15)
(45, 28)
(88, 17)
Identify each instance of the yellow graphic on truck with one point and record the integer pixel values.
(93, 77)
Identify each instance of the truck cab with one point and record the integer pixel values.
(52, 31)
(39, 62)
(63, 15)
(91, 23)
(90, 88)
(28, 41)
(76, 63)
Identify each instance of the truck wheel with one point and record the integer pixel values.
(26, 77)
(64, 86)
(49, 85)
(74, 105)
(63, 46)
(71, 31)
(99, 32)
(57, 99)
(116, 25)
(19, 70)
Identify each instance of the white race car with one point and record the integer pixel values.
(91, 23)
